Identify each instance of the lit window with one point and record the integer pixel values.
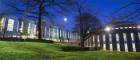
(116, 28)
(130, 27)
(118, 44)
(104, 42)
(125, 42)
(125, 27)
(10, 26)
(21, 29)
(110, 44)
(29, 28)
(121, 27)
(134, 27)
(138, 27)
(98, 40)
(133, 42)
(93, 41)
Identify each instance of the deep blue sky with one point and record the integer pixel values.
(103, 7)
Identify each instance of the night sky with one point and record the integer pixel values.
(104, 9)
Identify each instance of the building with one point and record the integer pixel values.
(27, 28)
(15, 27)
(9, 26)
(117, 36)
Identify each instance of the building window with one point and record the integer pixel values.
(116, 28)
(29, 28)
(133, 42)
(130, 27)
(2, 24)
(93, 38)
(98, 40)
(125, 27)
(110, 42)
(134, 27)
(138, 27)
(104, 42)
(125, 42)
(121, 27)
(139, 38)
(10, 25)
(118, 42)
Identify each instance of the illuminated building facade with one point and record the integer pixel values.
(2, 24)
(14, 27)
(117, 36)
(10, 26)
(27, 28)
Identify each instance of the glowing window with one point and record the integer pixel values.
(118, 43)
(130, 27)
(10, 25)
(134, 27)
(125, 27)
(138, 27)
(125, 42)
(98, 39)
(133, 42)
(121, 27)
(116, 28)
(93, 41)
(104, 42)
(29, 28)
(110, 44)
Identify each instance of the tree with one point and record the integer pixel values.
(86, 24)
(39, 8)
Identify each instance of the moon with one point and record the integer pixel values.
(65, 19)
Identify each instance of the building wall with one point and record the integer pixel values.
(11, 26)
(127, 40)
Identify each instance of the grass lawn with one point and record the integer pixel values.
(46, 51)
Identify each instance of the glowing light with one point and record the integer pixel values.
(125, 42)
(104, 42)
(65, 19)
(138, 27)
(108, 29)
(118, 42)
(133, 42)
(110, 40)
(10, 25)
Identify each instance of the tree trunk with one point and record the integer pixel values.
(40, 21)
(82, 43)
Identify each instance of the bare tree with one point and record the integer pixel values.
(85, 24)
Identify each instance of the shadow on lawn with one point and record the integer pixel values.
(77, 48)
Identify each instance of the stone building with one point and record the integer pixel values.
(117, 36)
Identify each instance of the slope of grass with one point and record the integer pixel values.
(46, 51)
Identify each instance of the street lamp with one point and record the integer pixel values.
(108, 29)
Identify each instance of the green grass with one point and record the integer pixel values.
(46, 51)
